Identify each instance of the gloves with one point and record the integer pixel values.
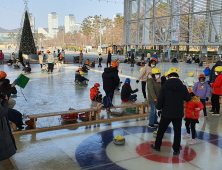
(158, 113)
(207, 98)
(137, 90)
(137, 81)
(197, 109)
(16, 81)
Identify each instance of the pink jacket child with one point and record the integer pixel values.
(1, 55)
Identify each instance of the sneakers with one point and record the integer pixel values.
(216, 113)
(211, 111)
(153, 147)
(192, 141)
(152, 126)
(206, 118)
(186, 136)
(176, 153)
(156, 124)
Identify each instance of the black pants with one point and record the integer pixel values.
(100, 60)
(203, 101)
(164, 123)
(191, 125)
(215, 102)
(144, 89)
(41, 65)
(50, 67)
(21, 60)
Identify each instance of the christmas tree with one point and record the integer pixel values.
(27, 44)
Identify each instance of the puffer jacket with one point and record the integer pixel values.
(217, 85)
(213, 76)
(110, 79)
(40, 59)
(7, 142)
(190, 107)
(93, 92)
(126, 92)
(50, 58)
(153, 89)
(145, 73)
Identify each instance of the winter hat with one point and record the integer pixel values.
(127, 81)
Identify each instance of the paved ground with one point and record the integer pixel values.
(91, 147)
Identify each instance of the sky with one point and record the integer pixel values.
(11, 10)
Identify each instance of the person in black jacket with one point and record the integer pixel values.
(213, 76)
(21, 58)
(127, 91)
(109, 59)
(110, 79)
(132, 60)
(171, 101)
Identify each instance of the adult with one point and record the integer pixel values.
(58, 51)
(13, 57)
(155, 56)
(148, 56)
(63, 55)
(40, 58)
(21, 58)
(80, 58)
(142, 58)
(54, 54)
(50, 61)
(132, 60)
(7, 89)
(1, 55)
(8, 147)
(145, 74)
(109, 59)
(127, 91)
(110, 79)
(213, 76)
(171, 101)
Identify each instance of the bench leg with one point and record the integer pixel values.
(137, 109)
(98, 114)
(142, 109)
(34, 123)
(90, 116)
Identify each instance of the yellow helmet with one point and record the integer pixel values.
(218, 69)
(173, 70)
(81, 73)
(191, 74)
(166, 74)
(156, 71)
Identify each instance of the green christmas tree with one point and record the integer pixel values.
(27, 44)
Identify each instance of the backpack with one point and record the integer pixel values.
(106, 101)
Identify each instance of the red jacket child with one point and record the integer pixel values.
(217, 85)
(94, 91)
(193, 107)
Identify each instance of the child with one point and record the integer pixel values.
(207, 71)
(153, 87)
(127, 91)
(164, 78)
(9, 62)
(174, 60)
(95, 95)
(85, 68)
(17, 64)
(189, 59)
(93, 64)
(82, 79)
(44, 68)
(59, 62)
(190, 80)
(27, 69)
(201, 64)
(192, 114)
(87, 62)
(202, 89)
(143, 63)
(217, 91)
(100, 58)
(27, 63)
(77, 74)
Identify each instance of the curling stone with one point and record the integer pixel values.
(119, 140)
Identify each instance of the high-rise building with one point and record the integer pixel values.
(31, 20)
(53, 24)
(70, 21)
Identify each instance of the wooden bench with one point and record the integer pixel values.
(89, 111)
(14, 127)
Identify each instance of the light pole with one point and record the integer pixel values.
(100, 35)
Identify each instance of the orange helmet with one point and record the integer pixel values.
(80, 69)
(207, 66)
(60, 56)
(3, 74)
(39, 52)
(47, 51)
(154, 59)
(80, 50)
(114, 64)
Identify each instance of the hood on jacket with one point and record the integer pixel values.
(174, 84)
(108, 70)
(195, 99)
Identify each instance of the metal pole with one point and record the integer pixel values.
(63, 37)
(100, 36)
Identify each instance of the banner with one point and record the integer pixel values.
(176, 19)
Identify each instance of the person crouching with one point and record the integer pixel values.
(82, 79)
(127, 91)
(95, 94)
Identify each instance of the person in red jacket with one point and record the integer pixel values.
(1, 55)
(192, 114)
(217, 91)
(95, 95)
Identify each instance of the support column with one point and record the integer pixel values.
(204, 49)
(137, 50)
(207, 24)
(219, 50)
(128, 48)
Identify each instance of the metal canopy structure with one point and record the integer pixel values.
(173, 22)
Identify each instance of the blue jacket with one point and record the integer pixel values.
(155, 56)
(207, 71)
